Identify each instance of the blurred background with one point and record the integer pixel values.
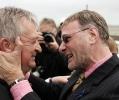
(60, 9)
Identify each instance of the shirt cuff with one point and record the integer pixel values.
(48, 80)
(20, 89)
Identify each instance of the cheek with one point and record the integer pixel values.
(25, 56)
(82, 45)
(78, 50)
(23, 59)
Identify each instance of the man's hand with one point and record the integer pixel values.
(10, 63)
(60, 79)
(53, 45)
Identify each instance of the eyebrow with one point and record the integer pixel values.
(75, 32)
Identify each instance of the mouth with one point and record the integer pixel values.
(69, 56)
(33, 56)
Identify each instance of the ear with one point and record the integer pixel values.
(6, 45)
(93, 35)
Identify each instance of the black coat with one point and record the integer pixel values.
(47, 91)
(4, 91)
(102, 84)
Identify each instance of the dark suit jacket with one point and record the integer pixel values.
(6, 95)
(102, 84)
(4, 91)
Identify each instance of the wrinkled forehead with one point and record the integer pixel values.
(70, 27)
(34, 35)
(31, 36)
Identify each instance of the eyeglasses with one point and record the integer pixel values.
(66, 38)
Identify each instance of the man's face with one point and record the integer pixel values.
(75, 45)
(30, 40)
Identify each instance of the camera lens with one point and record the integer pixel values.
(47, 37)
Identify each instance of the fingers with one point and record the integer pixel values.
(53, 45)
(40, 38)
(40, 33)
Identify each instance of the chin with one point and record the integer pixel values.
(72, 66)
(33, 63)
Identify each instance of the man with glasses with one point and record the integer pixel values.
(84, 42)
(95, 69)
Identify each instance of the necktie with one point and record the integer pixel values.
(78, 82)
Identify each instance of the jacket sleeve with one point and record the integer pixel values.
(47, 91)
(31, 96)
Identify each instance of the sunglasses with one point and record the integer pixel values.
(66, 38)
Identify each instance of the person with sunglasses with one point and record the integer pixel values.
(85, 42)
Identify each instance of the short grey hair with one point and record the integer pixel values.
(10, 17)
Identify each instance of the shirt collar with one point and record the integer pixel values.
(92, 68)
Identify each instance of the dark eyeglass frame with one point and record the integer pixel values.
(65, 38)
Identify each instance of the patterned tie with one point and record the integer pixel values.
(78, 82)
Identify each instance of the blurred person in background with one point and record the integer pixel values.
(51, 62)
(112, 45)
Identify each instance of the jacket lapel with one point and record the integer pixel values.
(70, 83)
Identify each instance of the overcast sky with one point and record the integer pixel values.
(60, 9)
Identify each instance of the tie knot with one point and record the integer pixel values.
(78, 82)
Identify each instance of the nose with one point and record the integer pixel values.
(62, 47)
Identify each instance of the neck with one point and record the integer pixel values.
(101, 52)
